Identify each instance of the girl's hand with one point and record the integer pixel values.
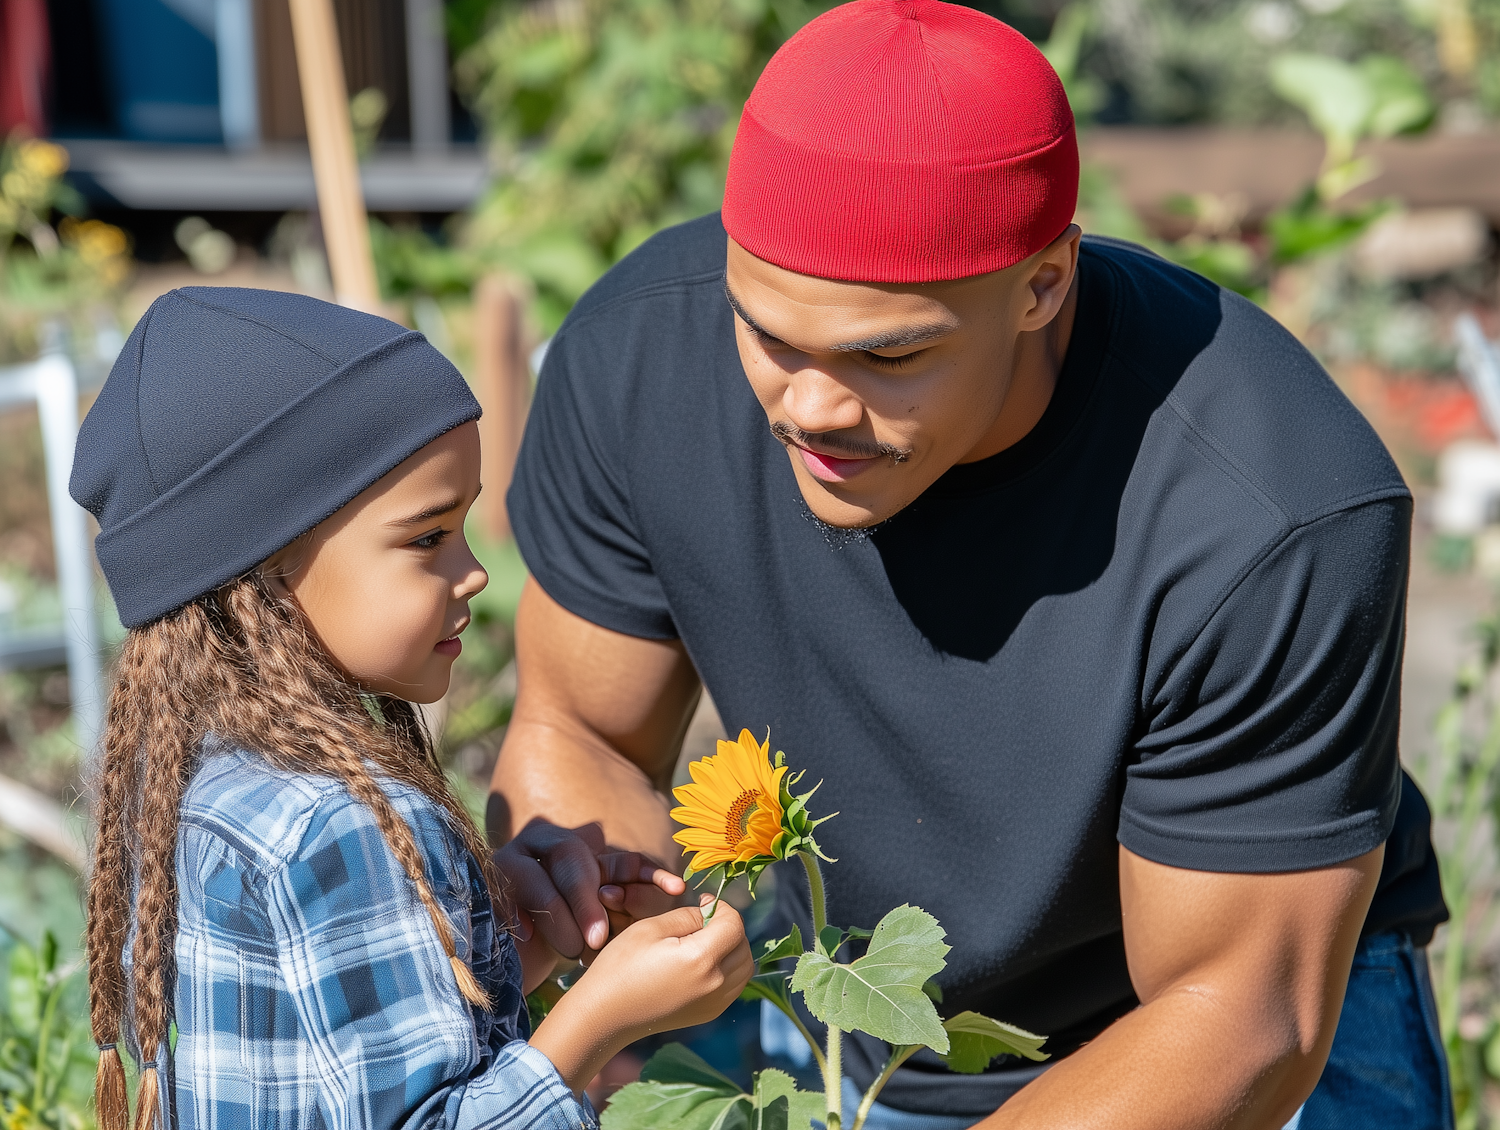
(670, 971)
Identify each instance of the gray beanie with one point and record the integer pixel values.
(235, 420)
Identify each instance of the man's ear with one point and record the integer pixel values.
(1051, 276)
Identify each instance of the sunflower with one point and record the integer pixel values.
(733, 809)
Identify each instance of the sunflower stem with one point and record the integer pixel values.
(833, 1080)
(815, 889)
(791, 1014)
(709, 913)
(899, 1055)
(832, 1065)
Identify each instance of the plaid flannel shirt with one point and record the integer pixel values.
(311, 987)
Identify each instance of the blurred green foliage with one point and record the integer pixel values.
(46, 272)
(608, 120)
(47, 1057)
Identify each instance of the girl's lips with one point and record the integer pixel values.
(450, 647)
(831, 469)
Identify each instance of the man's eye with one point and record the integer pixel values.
(893, 362)
(432, 540)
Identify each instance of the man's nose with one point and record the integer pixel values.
(816, 401)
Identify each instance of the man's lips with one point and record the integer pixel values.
(832, 469)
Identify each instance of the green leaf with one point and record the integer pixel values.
(25, 990)
(782, 948)
(1335, 97)
(678, 1091)
(767, 986)
(1402, 104)
(676, 1064)
(829, 940)
(675, 1106)
(977, 1039)
(774, 1087)
(881, 993)
(934, 991)
(49, 952)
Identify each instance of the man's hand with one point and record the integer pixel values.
(1241, 979)
(597, 727)
(570, 894)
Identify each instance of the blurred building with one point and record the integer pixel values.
(195, 105)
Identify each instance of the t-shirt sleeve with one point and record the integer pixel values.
(1270, 741)
(569, 501)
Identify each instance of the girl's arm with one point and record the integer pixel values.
(312, 987)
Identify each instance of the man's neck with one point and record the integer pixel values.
(1038, 363)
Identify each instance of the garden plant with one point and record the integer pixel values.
(740, 815)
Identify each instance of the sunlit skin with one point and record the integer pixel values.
(386, 581)
(877, 390)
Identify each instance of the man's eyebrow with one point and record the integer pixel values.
(435, 511)
(890, 339)
(744, 317)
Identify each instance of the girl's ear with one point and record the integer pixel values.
(283, 564)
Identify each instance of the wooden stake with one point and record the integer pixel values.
(325, 103)
(502, 379)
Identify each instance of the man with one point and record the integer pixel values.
(1073, 576)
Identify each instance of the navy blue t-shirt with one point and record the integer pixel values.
(1170, 617)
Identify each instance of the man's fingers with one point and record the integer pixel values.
(574, 870)
(537, 896)
(593, 835)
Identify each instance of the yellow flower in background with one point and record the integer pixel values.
(96, 241)
(732, 811)
(42, 159)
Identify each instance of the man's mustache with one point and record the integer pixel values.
(856, 449)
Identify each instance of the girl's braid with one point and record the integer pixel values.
(171, 749)
(108, 913)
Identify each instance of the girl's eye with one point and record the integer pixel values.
(432, 540)
(892, 362)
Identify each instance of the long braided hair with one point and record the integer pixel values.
(240, 663)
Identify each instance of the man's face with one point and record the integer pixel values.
(876, 390)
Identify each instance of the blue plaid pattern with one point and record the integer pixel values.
(312, 991)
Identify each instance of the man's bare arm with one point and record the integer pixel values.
(598, 723)
(1241, 978)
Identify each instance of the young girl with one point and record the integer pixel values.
(279, 867)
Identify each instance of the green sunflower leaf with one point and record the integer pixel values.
(976, 1040)
(676, 1064)
(881, 993)
(789, 946)
(769, 986)
(678, 1091)
(778, 1103)
(830, 938)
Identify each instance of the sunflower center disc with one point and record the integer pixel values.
(737, 823)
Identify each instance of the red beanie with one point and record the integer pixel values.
(903, 141)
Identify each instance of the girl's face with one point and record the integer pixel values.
(386, 581)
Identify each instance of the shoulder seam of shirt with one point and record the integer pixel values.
(1272, 546)
(649, 290)
(220, 823)
(1254, 481)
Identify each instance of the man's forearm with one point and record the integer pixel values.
(1187, 1061)
(570, 779)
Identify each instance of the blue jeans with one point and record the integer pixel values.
(1386, 1069)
